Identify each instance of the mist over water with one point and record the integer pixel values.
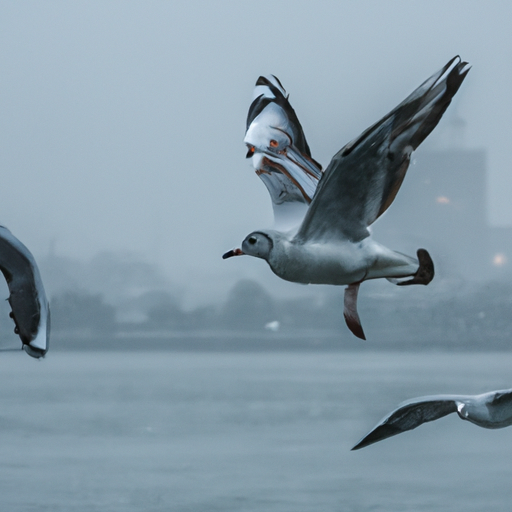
(105, 431)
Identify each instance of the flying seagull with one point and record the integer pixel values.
(333, 245)
(27, 298)
(489, 410)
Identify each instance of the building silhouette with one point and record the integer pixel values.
(442, 207)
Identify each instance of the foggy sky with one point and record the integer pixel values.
(122, 123)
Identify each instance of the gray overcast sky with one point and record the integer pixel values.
(122, 122)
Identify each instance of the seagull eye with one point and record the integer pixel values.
(274, 143)
(250, 152)
(252, 240)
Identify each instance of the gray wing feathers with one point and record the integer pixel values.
(18, 270)
(502, 397)
(408, 417)
(364, 177)
(27, 297)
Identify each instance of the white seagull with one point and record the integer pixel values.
(489, 410)
(333, 244)
(27, 298)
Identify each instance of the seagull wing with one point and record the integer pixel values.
(269, 90)
(408, 416)
(279, 151)
(364, 177)
(500, 398)
(27, 298)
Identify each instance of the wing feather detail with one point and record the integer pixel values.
(27, 298)
(364, 177)
(408, 417)
(276, 93)
(280, 153)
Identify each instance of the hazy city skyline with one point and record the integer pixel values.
(122, 123)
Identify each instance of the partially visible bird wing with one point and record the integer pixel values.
(501, 397)
(279, 151)
(30, 310)
(409, 416)
(364, 177)
(268, 89)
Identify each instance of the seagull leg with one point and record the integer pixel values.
(350, 310)
(425, 272)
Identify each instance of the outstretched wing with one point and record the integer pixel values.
(364, 177)
(278, 149)
(269, 90)
(408, 416)
(30, 309)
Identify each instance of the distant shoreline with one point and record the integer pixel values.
(256, 341)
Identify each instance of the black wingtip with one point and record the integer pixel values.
(462, 69)
(379, 433)
(366, 441)
(262, 81)
(358, 446)
(279, 82)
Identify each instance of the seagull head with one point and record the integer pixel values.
(257, 244)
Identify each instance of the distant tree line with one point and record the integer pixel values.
(478, 316)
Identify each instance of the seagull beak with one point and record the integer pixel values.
(233, 252)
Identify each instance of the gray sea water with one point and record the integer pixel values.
(167, 431)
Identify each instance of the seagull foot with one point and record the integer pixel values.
(350, 310)
(425, 272)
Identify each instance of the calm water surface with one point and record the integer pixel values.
(86, 432)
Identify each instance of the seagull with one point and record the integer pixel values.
(332, 244)
(27, 298)
(489, 410)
